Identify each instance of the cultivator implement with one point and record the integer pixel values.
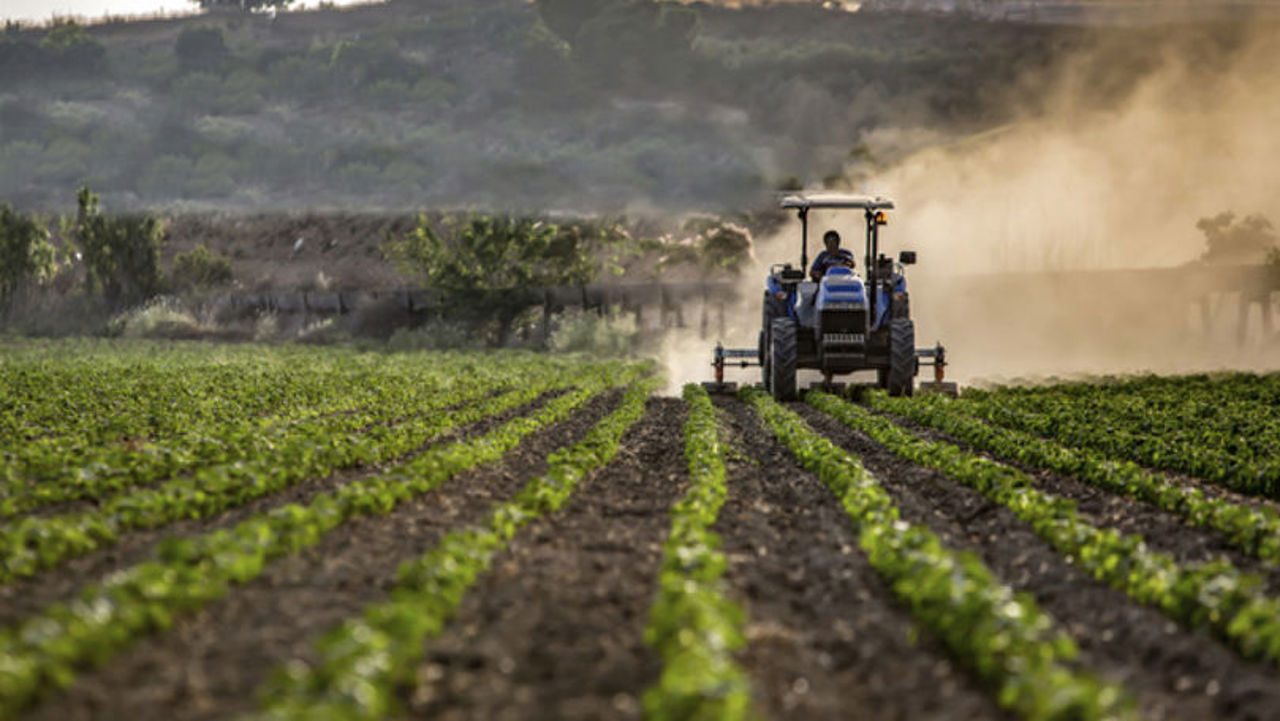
(747, 358)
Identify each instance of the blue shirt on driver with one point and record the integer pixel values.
(825, 260)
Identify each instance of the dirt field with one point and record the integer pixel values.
(555, 628)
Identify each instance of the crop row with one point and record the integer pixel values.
(361, 662)
(78, 395)
(388, 394)
(32, 543)
(1003, 637)
(111, 468)
(1214, 595)
(692, 624)
(1174, 391)
(1218, 404)
(1204, 432)
(1255, 531)
(45, 651)
(50, 470)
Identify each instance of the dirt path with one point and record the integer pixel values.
(210, 664)
(1163, 531)
(827, 640)
(555, 630)
(1176, 674)
(22, 598)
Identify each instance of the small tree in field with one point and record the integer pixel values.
(1248, 240)
(26, 254)
(121, 253)
(486, 265)
(200, 268)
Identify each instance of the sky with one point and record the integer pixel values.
(40, 10)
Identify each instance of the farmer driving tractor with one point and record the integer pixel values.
(833, 255)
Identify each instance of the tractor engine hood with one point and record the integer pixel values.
(841, 290)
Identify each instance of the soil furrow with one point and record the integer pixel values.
(1162, 530)
(826, 638)
(555, 629)
(211, 663)
(1176, 674)
(24, 597)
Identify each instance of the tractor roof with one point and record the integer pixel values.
(836, 200)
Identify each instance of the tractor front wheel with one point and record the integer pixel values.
(900, 378)
(782, 359)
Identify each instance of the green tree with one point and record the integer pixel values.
(69, 47)
(1229, 241)
(486, 266)
(201, 49)
(26, 254)
(200, 268)
(121, 253)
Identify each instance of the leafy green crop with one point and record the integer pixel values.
(1225, 429)
(45, 651)
(1255, 531)
(362, 661)
(693, 624)
(1214, 596)
(31, 544)
(1004, 638)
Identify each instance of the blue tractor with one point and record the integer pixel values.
(841, 323)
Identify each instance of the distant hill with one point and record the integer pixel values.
(512, 105)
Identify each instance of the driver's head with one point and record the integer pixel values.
(831, 239)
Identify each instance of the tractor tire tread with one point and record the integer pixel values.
(782, 359)
(902, 357)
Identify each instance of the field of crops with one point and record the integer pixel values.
(250, 532)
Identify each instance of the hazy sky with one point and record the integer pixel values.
(38, 10)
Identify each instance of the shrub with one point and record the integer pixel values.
(585, 331)
(70, 49)
(25, 253)
(437, 334)
(121, 253)
(201, 49)
(200, 268)
(162, 317)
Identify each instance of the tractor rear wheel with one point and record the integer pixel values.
(782, 359)
(900, 379)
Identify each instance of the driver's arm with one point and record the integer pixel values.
(819, 265)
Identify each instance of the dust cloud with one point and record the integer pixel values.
(1013, 225)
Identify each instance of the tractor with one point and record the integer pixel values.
(842, 323)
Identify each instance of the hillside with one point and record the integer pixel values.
(445, 103)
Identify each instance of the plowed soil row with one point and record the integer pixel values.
(555, 629)
(210, 664)
(1162, 530)
(1176, 674)
(27, 596)
(827, 640)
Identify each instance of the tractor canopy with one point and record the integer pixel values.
(806, 201)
